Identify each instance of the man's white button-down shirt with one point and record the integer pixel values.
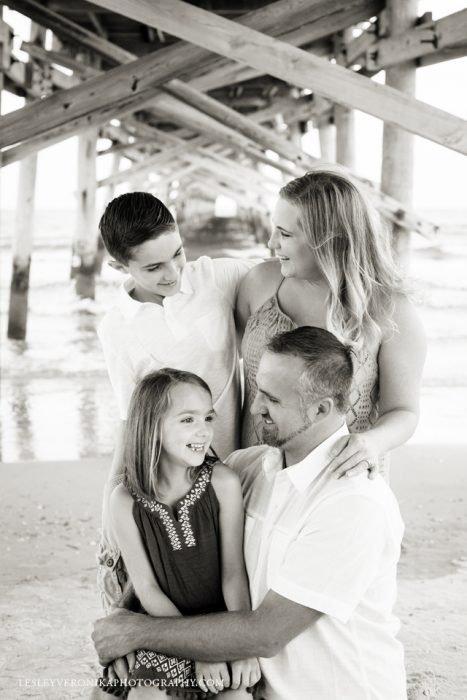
(193, 330)
(333, 546)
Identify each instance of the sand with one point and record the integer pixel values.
(49, 522)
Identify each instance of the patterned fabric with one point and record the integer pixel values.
(183, 547)
(269, 320)
(184, 506)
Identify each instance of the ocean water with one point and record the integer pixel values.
(56, 400)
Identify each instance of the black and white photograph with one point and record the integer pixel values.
(233, 317)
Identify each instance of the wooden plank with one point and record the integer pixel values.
(71, 31)
(90, 102)
(424, 39)
(59, 58)
(398, 145)
(22, 249)
(241, 124)
(296, 67)
(85, 236)
(152, 163)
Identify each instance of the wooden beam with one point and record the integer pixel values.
(71, 31)
(59, 58)
(151, 164)
(296, 67)
(323, 19)
(422, 40)
(22, 249)
(85, 237)
(398, 145)
(241, 124)
(92, 102)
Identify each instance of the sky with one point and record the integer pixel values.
(440, 175)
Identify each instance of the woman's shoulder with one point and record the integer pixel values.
(405, 317)
(260, 283)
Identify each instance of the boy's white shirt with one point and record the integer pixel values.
(193, 330)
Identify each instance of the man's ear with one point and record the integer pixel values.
(115, 265)
(324, 407)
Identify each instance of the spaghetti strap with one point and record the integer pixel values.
(280, 285)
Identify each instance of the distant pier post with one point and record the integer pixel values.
(398, 144)
(85, 238)
(344, 118)
(327, 137)
(22, 249)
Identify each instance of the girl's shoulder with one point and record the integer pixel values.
(121, 498)
(223, 478)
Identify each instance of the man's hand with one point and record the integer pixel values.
(245, 674)
(116, 635)
(212, 677)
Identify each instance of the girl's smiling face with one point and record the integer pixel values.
(290, 245)
(187, 427)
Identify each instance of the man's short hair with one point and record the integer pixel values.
(328, 363)
(132, 219)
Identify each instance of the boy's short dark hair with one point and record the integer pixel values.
(328, 363)
(132, 219)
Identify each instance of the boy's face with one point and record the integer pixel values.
(156, 266)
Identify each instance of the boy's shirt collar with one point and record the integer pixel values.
(130, 307)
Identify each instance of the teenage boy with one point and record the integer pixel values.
(169, 313)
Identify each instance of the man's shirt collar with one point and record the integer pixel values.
(303, 473)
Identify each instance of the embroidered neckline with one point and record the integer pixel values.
(183, 507)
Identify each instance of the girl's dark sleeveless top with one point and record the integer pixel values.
(183, 545)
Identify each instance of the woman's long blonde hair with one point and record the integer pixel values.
(352, 250)
(142, 447)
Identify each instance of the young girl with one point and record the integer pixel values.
(178, 519)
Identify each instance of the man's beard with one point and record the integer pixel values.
(270, 434)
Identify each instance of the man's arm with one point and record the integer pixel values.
(216, 637)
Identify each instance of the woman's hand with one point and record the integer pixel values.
(354, 454)
(245, 674)
(212, 677)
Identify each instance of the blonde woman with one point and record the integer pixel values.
(333, 269)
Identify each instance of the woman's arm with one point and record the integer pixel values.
(400, 361)
(226, 484)
(140, 571)
(257, 286)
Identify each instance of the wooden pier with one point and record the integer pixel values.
(209, 97)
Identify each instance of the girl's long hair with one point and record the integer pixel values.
(352, 250)
(142, 444)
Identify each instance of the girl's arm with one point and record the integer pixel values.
(228, 490)
(400, 361)
(245, 673)
(153, 600)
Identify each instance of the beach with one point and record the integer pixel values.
(50, 519)
(58, 422)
